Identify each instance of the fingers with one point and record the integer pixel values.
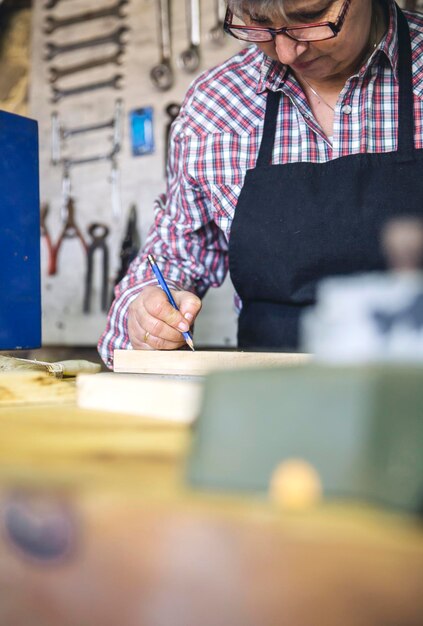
(153, 323)
(189, 305)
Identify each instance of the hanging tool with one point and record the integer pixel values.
(60, 133)
(172, 111)
(70, 230)
(44, 211)
(53, 24)
(54, 49)
(59, 72)
(216, 33)
(162, 74)
(111, 83)
(115, 188)
(131, 244)
(190, 58)
(99, 233)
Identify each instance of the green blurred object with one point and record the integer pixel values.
(361, 428)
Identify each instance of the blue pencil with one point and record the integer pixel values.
(160, 278)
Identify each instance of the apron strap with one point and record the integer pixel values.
(269, 130)
(405, 81)
(406, 148)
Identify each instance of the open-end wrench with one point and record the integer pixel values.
(53, 24)
(96, 158)
(61, 132)
(162, 74)
(216, 33)
(59, 72)
(190, 58)
(53, 49)
(112, 83)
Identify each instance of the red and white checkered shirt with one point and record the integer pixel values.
(216, 138)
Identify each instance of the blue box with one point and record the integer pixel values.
(20, 276)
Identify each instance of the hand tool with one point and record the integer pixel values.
(161, 74)
(216, 33)
(70, 230)
(131, 244)
(66, 192)
(98, 233)
(111, 83)
(115, 189)
(53, 24)
(172, 111)
(54, 49)
(189, 59)
(46, 234)
(63, 132)
(117, 128)
(60, 133)
(59, 72)
(68, 163)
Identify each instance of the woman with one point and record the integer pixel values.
(284, 164)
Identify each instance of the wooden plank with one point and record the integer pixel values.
(148, 396)
(200, 362)
(21, 387)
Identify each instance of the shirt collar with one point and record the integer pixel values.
(273, 74)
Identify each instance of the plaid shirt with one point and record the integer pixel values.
(216, 139)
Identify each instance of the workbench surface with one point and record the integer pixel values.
(136, 547)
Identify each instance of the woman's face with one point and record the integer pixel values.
(320, 60)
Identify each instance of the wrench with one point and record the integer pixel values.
(172, 110)
(59, 72)
(54, 49)
(115, 190)
(216, 33)
(63, 133)
(112, 83)
(68, 163)
(161, 75)
(116, 10)
(189, 59)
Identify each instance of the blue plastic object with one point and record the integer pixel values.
(142, 136)
(20, 280)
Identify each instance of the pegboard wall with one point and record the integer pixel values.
(140, 178)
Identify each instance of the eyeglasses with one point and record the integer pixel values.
(319, 31)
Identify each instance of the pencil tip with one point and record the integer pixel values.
(191, 344)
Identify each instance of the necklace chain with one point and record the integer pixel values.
(317, 95)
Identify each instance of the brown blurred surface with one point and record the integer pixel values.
(141, 549)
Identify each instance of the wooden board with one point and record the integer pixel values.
(198, 363)
(152, 397)
(36, 387)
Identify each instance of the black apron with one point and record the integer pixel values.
(297, 223)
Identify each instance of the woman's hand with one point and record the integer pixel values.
(154, 324)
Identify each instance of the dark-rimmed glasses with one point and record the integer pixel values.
(319, 31)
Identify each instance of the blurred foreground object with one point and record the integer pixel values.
(313, 432)
(375, 316)
(97, 529)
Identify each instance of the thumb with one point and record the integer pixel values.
(189, 305)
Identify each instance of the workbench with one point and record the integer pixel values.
(140, 548)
